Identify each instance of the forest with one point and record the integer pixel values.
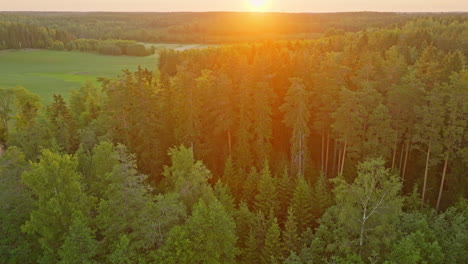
(350, 147)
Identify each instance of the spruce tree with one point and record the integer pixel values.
(273, 246)
(302, 205)
(266, 200)
(291, 233)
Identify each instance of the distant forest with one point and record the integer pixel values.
(347, 147)
(203, 28)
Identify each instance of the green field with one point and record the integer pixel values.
(46, 72)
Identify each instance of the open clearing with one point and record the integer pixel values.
(47, 72)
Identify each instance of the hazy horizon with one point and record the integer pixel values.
(293, 6)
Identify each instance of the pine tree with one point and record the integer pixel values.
(296, 111)
(455, 123)
(428, 128)
(262, 112)
(379, 133)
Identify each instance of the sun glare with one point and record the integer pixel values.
(258, 5)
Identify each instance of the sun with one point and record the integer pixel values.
(258, 5)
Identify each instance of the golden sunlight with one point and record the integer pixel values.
(258, 5)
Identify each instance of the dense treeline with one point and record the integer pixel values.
(23, 36)
(346, 149)
(213, 27)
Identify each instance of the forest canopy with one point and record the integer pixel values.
(347, 148)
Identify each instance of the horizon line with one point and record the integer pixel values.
(229, 11)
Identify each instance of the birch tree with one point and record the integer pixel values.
(368, 209)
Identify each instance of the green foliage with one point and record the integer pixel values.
(80, 245)
(291, 233)
(302, 205)
(85, 104)
(168, 213)
(110, 50)
(209, 236)
(418, 243)
(273, 244)
(28, 105)
(368, 209)
(187, 177)
(55, 182)
(103, 160)
(128, 199)
(450, 230)
(16, 205)
(121, 252)
(296, 110)
(323, 197)
(62, 125)
(266, 200)
(385, 93)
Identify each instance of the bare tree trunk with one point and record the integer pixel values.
(442, 182)
(322, 155)
(401, 160)
(326, 154)
(395, 147)
(406, 160)
(301, 155)
(344, 156)
(425, 176)
(229, 142)
(335, 148)
(340, 156)
(361, 235)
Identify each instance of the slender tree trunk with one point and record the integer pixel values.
(406, 160)
(442, 182)
(425, 176)
(395, 147)
(301, 151)
(326, 154)
(229, 142)
(335, 147)
(344, 157)
(400, 165)
(340, 156)
(322, 155)
(361, 235)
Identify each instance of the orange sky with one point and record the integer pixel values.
(234, 5)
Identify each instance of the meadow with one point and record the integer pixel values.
(48, 72)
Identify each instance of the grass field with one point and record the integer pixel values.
(46, 72)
